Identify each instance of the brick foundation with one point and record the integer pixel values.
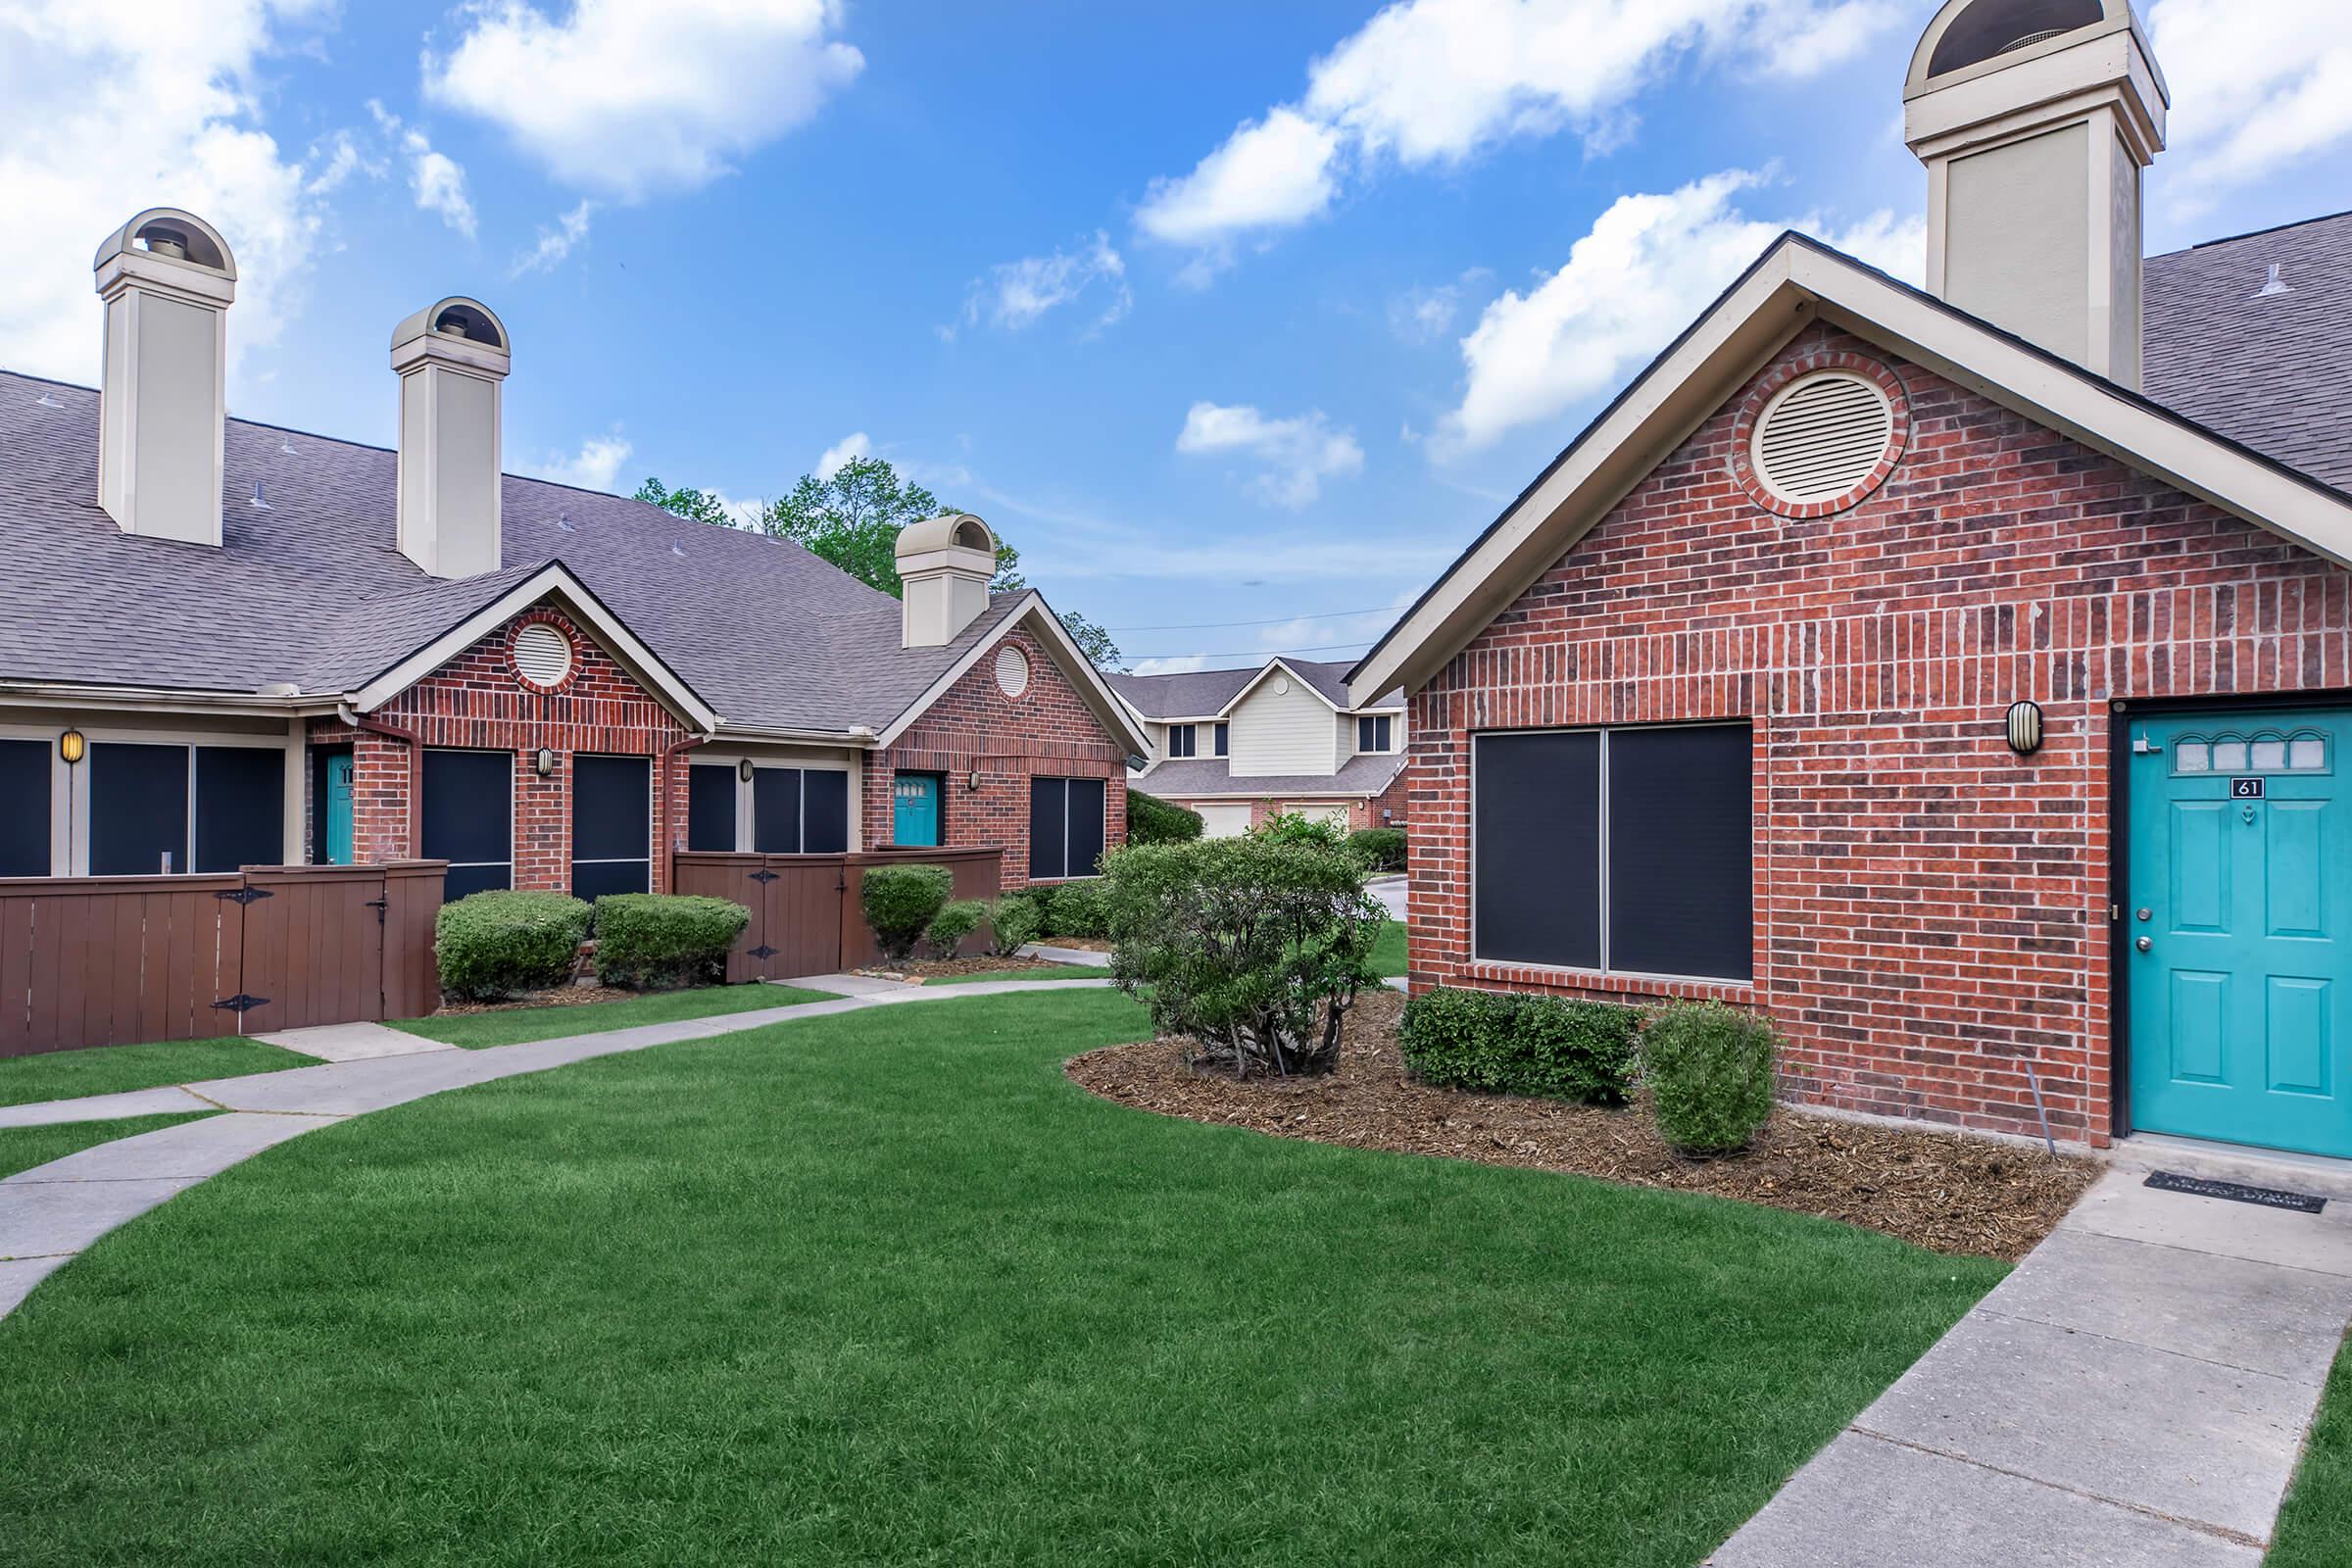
(1931, 908)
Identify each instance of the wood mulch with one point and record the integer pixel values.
(556, 996)
(918, 970)
(1082, 944)
(1942, 1191)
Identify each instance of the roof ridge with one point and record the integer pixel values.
(2252, 233)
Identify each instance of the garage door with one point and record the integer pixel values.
(612, 825)
(469, 810)
(1223, 821)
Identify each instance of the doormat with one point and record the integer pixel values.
(2166, 1181)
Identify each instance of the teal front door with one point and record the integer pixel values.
(2238, 929)
(915, 822)
(339, 808)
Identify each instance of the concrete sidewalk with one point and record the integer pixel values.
(53, 1211)
(2135, 1396)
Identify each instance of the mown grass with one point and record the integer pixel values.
(887, 1287)
(2315, 1528)
(23, 1148)
(113, 1069)
(1389, 950)
(475, 1030)
(1044, 971)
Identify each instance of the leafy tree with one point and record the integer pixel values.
(701, 505)
(1094, 642)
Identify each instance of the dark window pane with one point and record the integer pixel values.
(1183, 740)
(1535, 878)
(464, 879)
(1085, 827)
(138, 808)
(593, 879)
(24, 807)
(1049, 823)
(1224, 739)
(468, 811)
(611, 807)
(710, 808)
(240, 806)
(776, 811)
(824, 811)
(1680, 873)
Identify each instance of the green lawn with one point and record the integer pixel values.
(1387, 952)
(23, 1148)
(2317, 1521)
(1044, 971)
(886, 1288)
(478, 1029)
(108, 1069)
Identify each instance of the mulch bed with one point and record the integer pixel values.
(1082, 944)
(1942, 1191)
(916, 971)
(558, 997)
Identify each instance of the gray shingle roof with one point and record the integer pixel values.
(312, 588)
(1189, 777)
(1193, 692)
(2272, 373)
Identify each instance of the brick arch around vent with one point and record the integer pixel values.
(1930, 909)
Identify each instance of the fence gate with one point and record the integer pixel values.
(795, 901)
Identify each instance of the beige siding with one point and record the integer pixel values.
(1281, 732)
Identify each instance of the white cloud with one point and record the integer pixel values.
(436, 179)
(627, 97)
(595, 467)
(1016, 294)
(1649, 264)
(1434, 82)
(1180, 665)
(842, 452)
(108, 116)
(2256, 90)
(1425, 314)
(1298, 453)
(558, 242)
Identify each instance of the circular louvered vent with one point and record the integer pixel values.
(1012, 671)
(1823, 437)
(542, 656)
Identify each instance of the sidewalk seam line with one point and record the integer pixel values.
(1981, 1310)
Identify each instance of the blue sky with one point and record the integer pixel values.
(1233, 316)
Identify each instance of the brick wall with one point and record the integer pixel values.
(1930, 909)
(1048, 731)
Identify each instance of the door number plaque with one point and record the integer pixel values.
(2245, 789)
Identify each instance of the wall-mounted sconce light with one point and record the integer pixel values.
(70, 746)
(545, 763)
(972, 781)
(2024, 728)
(742, 770)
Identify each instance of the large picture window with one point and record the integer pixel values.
(163, 808)
(1627, 850)
(1067, 827)
(782, 810)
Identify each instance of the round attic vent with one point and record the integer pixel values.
(1822, 438)
(542, 656)
(1012, 671)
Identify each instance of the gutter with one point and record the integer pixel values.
(416, 744)
(311, 704)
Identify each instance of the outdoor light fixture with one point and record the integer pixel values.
(972, 782)
(545, 762)
(2024, 728)
(70, 746)
(742, 770)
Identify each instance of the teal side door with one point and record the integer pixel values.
(2238, 929)
(915, 819)
(338, 809)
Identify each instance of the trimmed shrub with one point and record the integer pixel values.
(901, 902)
(1517, 1044)
(1379, 848)
(956, 920)
(492, 945)
(1254, 947)
(1153, 820)
(652, 941)
(1075, 909)
(1709, 1067)
(1017, 921)
(1290, 827)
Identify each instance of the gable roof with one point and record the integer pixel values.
(1365, 773)
(1208, 693)
(1796, 283)
(310, 587)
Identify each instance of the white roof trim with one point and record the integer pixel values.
(1075, 666)
(552, 578)
(1794, 282)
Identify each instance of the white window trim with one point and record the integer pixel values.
(746, 819)
(1065, 780)
(70, 785)
(1376, 720)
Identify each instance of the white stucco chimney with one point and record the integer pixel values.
(166, 278)
(2035, 119)
(450, 360)
(945, 563)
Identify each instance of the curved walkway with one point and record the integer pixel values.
(50, 1213)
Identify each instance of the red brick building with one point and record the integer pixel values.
(1963, 688)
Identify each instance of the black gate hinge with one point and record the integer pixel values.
(764, 876)
(245, 894)
(241, 1004)
(763, 950)
(379, 905)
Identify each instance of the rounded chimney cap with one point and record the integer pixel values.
(172, 235)
(950, 530)
(455, 317)
(1975, 36)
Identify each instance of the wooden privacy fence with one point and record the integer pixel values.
(808, 916)
(111, 960)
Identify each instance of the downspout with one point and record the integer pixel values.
(662, 797)
(416, 744)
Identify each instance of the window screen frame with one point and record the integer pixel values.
(1382, 731)
(1603, 830)
(70, 811)
(1062, 783)
(576, 859)
(746, 819)
(38, 832)
(1223, 738)
(1184, 740)
(514, 761)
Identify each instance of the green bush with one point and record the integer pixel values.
(1075, 909)
(1252, 947)
(956, 920)
(1290, 827)
(648, 941)
(1709, 1067)
(492, 945)
(1517, 1044)
(1153, 820)
(901, 902)
(1017, 921)
(1379, 848)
